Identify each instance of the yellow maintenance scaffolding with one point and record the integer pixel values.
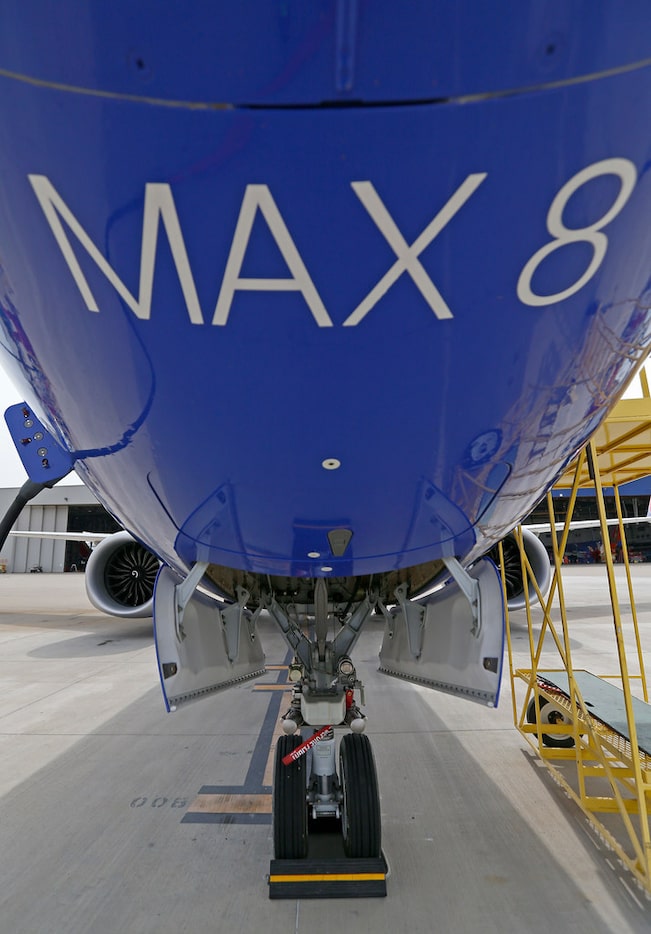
(593, 732)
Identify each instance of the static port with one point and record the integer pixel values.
(331, 463)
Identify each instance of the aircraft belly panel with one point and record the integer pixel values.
(297, 53)
(253, 327)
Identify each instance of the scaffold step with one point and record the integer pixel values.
(605, 701)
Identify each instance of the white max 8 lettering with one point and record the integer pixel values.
(159, 208)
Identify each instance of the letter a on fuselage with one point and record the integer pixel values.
(259, 197)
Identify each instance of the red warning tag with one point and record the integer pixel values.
(303, 748)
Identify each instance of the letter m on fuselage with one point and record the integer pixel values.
(159, 208)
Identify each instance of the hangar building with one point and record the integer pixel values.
(71, 508)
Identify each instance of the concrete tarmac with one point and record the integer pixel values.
(105, 800)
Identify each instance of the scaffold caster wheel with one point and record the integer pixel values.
(360, 812)
(289, 802)
(551, 714)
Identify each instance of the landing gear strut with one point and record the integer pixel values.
(307, 784)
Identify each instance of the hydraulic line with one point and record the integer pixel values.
(27, 492)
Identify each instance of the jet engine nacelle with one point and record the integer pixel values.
(538, 559)
(120, 577)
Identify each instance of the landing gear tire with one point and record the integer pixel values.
(289, 802)
(360, 812)
(551, 714)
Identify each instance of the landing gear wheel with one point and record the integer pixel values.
(360, 812)
(551, 714)
(289, 802)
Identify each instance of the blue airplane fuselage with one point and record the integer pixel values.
(274, 270)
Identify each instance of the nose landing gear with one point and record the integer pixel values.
(349, 864)
(310, 785)
(341, 855)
